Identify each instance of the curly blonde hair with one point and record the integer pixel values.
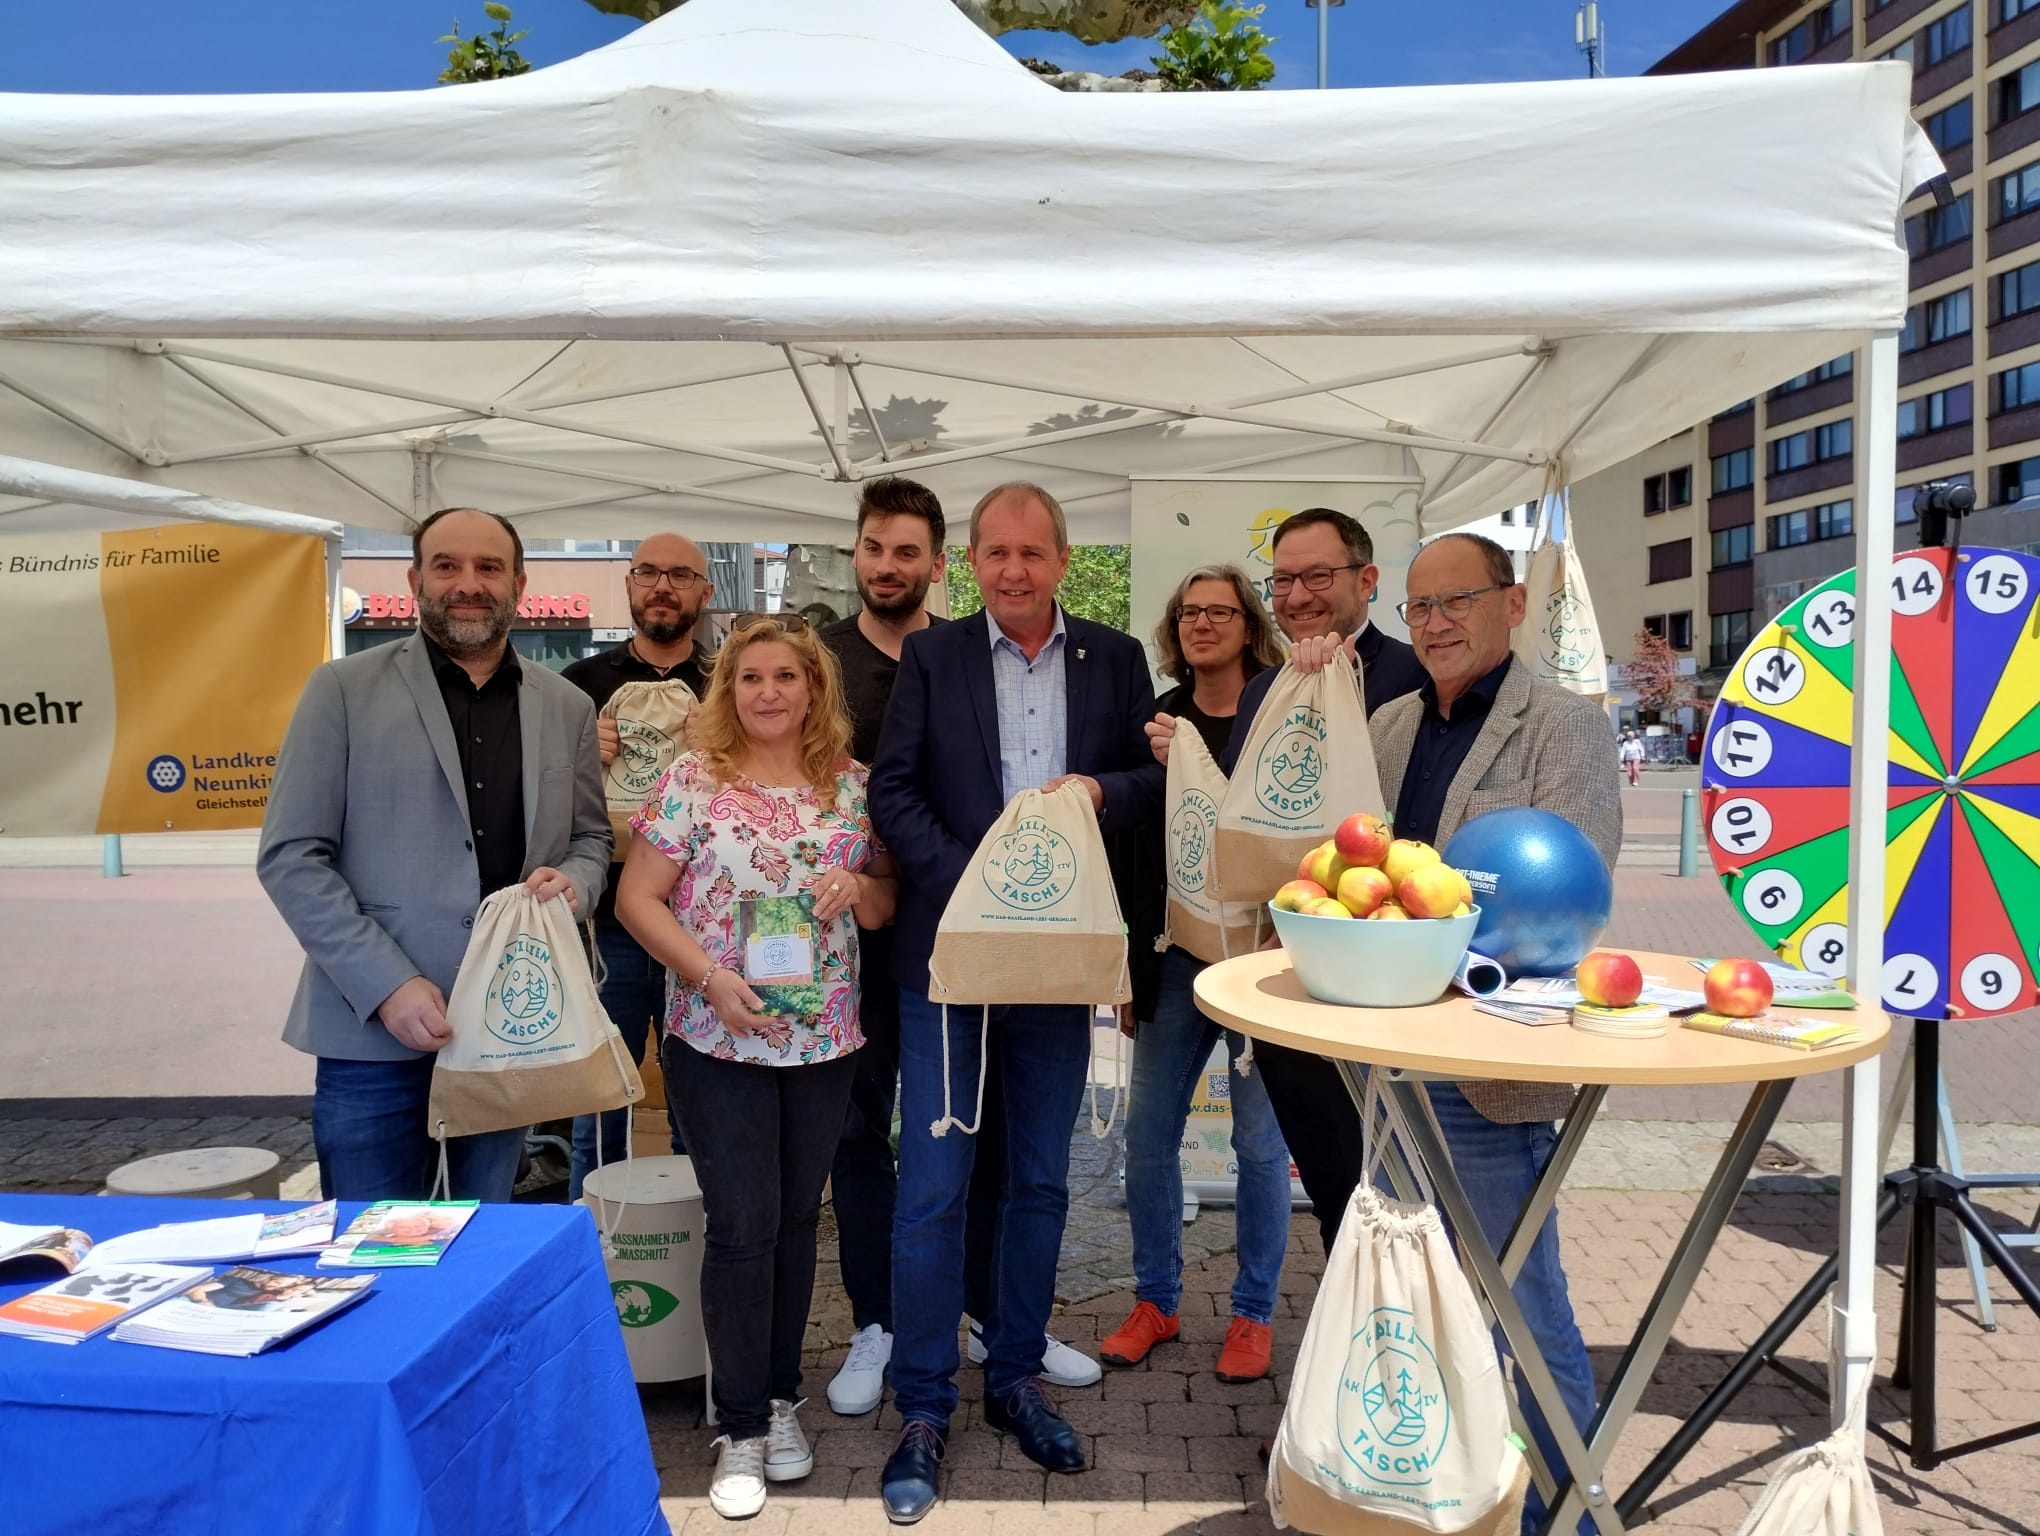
(715, 731)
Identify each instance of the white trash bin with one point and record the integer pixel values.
(655, 1265)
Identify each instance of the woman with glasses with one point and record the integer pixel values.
(753, 867)
(1213, 637)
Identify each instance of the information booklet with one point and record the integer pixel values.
(243, 1311)
(393, 1233)
(782, 961)
(93, 1300)
(63, 1246)
(1777, 1029)
(1798, 989)
(223, 1239)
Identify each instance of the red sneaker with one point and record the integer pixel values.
(1248, 1346)
(1145, 1327)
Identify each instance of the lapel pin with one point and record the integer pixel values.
(1080, 653)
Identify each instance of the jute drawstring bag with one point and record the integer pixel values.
(1198, 921)
(531, 1041)
(651, 720)
(1307, 765)
(1035, 919)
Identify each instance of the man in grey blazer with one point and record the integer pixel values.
(1483, 733)
(416, 778)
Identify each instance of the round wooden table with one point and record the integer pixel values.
(1451, 1040)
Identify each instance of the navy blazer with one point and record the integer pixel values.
(1390, 669)
(935, 785)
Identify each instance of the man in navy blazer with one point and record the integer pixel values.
(1018, 696)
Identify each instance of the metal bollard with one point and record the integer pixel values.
(109, 856)
(1689, 832)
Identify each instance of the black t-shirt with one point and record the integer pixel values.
(1181, 701)
(599, 676)
(868, 677)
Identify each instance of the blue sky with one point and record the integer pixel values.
(368, 45)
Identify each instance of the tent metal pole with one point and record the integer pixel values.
(326, 435)
(664, 487)
(651, 387)
(336, 620)
(1852, 1347)
(1458, 469)
(64, 413)
(822, 424)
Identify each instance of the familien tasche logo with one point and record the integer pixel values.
(642, 751)
(1567, 637)
(523, 1005)
(1190, 834)
(1291, 767)
(1031, 868)
(1394, 1412)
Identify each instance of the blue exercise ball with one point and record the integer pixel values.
(1543, 890)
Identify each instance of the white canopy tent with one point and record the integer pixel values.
(709, 275)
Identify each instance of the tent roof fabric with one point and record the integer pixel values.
(762, 248)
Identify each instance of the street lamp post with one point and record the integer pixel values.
(1324, 37)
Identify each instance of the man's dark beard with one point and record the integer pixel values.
(663, 627)
(903, 606)
(464, 637)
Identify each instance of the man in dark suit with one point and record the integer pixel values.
(1019, 696)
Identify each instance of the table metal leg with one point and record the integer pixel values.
(1478, 1255)
(1586, 1108)
(1640, 1360)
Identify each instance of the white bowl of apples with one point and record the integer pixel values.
(1374, 921)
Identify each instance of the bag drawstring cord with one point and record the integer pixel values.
(941, 1127)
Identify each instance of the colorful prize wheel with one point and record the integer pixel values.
(1962, 824)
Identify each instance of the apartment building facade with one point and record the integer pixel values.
(1708, 535)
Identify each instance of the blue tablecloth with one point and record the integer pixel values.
(488, 1394)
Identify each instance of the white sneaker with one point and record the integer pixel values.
(787, 1452)
(859, 1386)
(738, 1491)
(1061, 1365)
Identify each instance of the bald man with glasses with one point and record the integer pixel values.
(668, 589)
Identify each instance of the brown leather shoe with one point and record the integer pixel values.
(1145, 1327)
(1247, 1350)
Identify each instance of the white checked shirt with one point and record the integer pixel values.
(1034, 704)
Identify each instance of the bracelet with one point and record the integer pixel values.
(706, 977)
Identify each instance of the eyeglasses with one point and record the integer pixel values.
(1313, 581)
(680, 578)
(1454, 605)
(790, 623)
(1220, 614)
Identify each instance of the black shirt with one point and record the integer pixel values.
(1181, 701)
(868, 676)
(1438, 753)
(488, 731)
(599, 676)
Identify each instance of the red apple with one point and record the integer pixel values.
(1740, 989)
(1388, 912)
(1293, 895)
(1362, 889)
(1362, 839)
(1609, 980)
(1432, 890)
(1326, 906)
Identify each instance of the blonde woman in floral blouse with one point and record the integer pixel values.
(754, 858)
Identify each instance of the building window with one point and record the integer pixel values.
(1938, 227)
(2017, 387)
(2015, 482)
(1679, 630)
(1673, 488)
(1671, 561)
(1816, 32)
(1936, 320)
(1930, 413)
(1833, 368)
(2019, 191)
(1734, 471)
(2019, 290)
(2019, 92)
(2012, 10)
(1952, 126)
(1734, 546)
(1832, 520)
(1815, 446)
(1655, 624)
(1737, 409)
(1731, 636)
(1937, 40)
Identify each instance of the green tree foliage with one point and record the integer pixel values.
(1099, 586)
(1088, 21)
(1224, 49)
(486, 55)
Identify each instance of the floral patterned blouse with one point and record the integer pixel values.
(739, 842)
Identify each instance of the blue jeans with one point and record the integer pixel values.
(1043, 1055)
(368, 1129)
(1499, 1164)
(634, 996)
(1168, 1058)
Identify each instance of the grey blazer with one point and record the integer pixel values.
(365, 845)
(1540, 746)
